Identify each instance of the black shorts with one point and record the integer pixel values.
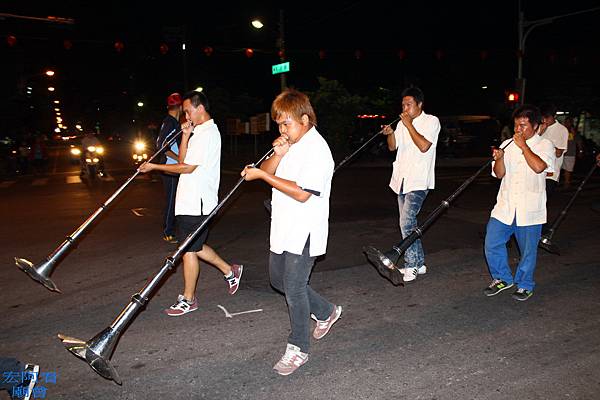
(186, 224)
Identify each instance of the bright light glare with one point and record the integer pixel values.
(257, 24)
(100, 150)
(140, 104)
(199, 89)
(75, 151)
(51, 89)
(50, 72)
(139, 145)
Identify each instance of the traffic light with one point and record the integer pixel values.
(512, 97)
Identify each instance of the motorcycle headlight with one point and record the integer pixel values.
(75, 151)
(139, 145)
(100, 150)
(91, 149)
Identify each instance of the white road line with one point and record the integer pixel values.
(231, 315)
(138, 212)
(73, 179)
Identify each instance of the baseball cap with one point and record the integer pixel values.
(174, 99)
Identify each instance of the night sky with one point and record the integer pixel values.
(451, 50)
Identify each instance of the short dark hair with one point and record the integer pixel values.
(415, 93)
(548, 109)
(529, 111)
(197, 98)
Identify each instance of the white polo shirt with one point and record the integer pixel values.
(197, 193)
(558, 134)
(412, 167)
(308, 163)
(523, 192)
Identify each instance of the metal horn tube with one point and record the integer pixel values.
(98, 350)
(386, 262)
(349, 157)
(41, 272)
(546, 240)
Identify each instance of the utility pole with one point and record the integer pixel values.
(281, 45)
(524, 29)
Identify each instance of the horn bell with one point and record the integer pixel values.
(96, 352)
(38, 273)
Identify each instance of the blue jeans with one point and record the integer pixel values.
(170, 184)
(497, 234)
(289, 274)
(409, 205)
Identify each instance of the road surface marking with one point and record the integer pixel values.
(231, 315)
(73, 179)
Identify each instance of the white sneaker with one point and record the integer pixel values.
(291, 360)
(421, 271)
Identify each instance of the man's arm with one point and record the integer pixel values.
(418, 139)
(179, 168)
(534, 161)
(388, 132)
(285, 186)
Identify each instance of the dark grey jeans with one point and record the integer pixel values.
(289, 275)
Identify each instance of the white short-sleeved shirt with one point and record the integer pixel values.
(197, 193)
(558, 134)
(308, 163)
(412, 167)
(522, 192)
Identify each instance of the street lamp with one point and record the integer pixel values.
(280, 43)
(525, 27)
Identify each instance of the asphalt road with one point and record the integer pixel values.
(437, 338)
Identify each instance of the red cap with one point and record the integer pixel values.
(174, 99)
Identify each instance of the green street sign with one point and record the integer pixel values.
(281, 68)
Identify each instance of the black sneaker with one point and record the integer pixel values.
(385, 266)
(496, 287)
(522, 294)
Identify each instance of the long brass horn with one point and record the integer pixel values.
(546, 239)
(42, 271)
(98, 350)
(387, 262)
(365, 144)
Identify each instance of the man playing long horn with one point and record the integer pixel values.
(300, 173)
(521, 204)
(199, 168)
(415, 140)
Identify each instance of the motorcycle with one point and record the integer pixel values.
(139, 152)
(92, 163)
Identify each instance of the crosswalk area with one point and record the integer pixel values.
(65, 179)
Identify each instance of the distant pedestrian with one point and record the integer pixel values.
(168, 129)
(199, 168)
(415, 142)
(520, 209)
(300, 173)
(555, 132)
(570, 154)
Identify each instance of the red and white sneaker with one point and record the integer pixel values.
(181, 306)
(323, 327)
(291, 360)
(234, 281)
